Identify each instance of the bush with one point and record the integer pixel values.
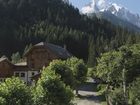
(14, 92)
(134, 93)
(60, 67)
(78, 68)
(2, 101)
(51, 90)
(116, 97)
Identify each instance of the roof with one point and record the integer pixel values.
(58, 50)
(4, 58)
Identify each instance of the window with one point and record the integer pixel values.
(17, 74)
(33, 73)
(22, 74)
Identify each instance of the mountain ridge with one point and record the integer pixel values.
(97, 6)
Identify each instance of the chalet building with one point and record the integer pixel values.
(39, 56)
(43, 53)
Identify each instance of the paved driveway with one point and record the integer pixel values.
(88, 95)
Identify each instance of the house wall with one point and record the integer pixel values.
(32, 73)
(25, 75)
(6, 69)
(40, 57)
(21, 76)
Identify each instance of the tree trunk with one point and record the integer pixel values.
(124, 85)
(106, 95)
(77, 91)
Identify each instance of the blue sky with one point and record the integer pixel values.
(132, 5)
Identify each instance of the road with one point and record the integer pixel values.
(88, 95)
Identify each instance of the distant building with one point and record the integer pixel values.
(39, 56)
(6, 68)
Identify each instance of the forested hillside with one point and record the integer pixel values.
(24, 22)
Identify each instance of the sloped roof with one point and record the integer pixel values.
(58, 50)
(4, 58)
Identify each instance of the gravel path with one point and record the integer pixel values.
(88, 95)
(90, 99)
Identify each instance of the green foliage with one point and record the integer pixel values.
(16, 57)
(51, 90)
(116, 97)
(60, 67)
(91, 72)
(78, 68)
(119, 69)
(23, 22)
(109, 68)
(134, 93)
(27, 48)
(2, 101)
(102, 88)
(14, 92)
(92, 53)
(111, 64)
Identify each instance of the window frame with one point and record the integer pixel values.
(22, 75)
(33, 73)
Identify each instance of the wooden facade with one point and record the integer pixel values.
(39, 56)
(43, 53)
(6, 68)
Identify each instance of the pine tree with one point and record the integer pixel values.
(92, 53)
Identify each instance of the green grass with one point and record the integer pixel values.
(103, 103)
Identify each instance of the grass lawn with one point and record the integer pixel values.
(103, 103)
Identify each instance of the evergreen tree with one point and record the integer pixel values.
(16, 58)
(92, 53)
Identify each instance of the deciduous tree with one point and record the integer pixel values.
(14, 92)
(51, 90)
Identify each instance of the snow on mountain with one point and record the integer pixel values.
(121, 12)
(94, 6)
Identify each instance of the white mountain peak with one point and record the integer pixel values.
(117, 7)
(94, 6)
(99, 5)
(121, 12)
